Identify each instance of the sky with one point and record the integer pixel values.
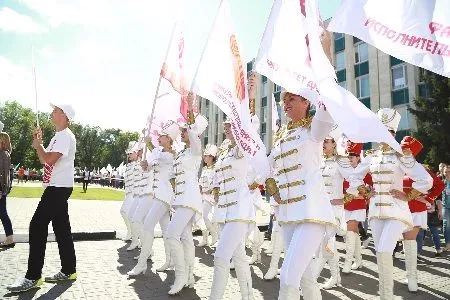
(104, 56)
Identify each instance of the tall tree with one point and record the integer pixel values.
(433, 120)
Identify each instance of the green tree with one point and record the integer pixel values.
(433, 120)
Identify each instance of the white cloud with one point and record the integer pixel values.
(10, 20)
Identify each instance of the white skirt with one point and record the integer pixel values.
(355, 215)
(420, 219)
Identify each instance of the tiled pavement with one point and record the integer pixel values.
(102, 267)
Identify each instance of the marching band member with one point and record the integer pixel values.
(187, 202)
(389, 215)
(334, 170)
(206, 178)
(234, 213)
(160, 164)
(418, 208)
(128, 178)
(305, 214)
(136, 227)
(355, 212)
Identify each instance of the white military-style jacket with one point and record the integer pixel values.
(335, 170)
(234, 199)
(185, 172)
(129, 178)
(137, 179)
(296, 159)
(388, 169)
(205, 181)
(160, 169)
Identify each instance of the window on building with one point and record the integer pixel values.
(205, 140)
(276, 87)
(361, 53)
(362, 87)
(338, 35)
(405, 120)
(399, 77)
(340, 60)
(265, 89)
(343, 84)
(263, 116)
(339, 42)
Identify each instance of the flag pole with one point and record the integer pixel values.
(204, 48)
(35, 85)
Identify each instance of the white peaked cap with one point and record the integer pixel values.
(254, 120)
(130, 148)
(1, 126)
(171, 129)
(389, 117)
(210, 150)
(335, 133)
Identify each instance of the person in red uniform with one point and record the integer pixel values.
(418, 208)
(355, 212)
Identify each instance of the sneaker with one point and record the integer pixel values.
(23, 285)
(60, 276)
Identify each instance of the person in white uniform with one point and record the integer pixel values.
(389, 215)
(276, 243)
(235, 213)
(335, 169)
(187, 202)
(305, 214)
(205, 181)
(160, 189)
(128, 180)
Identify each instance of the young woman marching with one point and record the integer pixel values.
(418, 208)
(305, 214)
(160, 164)
(235, 213)
(187, 202)
(355, 212)
(205, 181)
(389, 215)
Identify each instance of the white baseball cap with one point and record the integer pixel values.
(66, 108)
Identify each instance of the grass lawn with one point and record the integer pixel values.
(92, 193)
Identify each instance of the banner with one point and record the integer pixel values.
(414, 31)
(222, 78)
(296, 26)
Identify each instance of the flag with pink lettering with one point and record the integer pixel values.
(415, 31)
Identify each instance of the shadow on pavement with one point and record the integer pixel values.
(56, 291)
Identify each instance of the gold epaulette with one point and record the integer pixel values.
(306, 122)
(281, 132)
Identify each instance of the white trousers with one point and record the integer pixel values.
(159, 212)
(126, 203)
(142, 209)
(232, 240)
(386, 234)
(302, 242)
(180, 226)
(207, 208)
(131, 208)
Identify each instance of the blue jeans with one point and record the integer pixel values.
(6, 221)
(446, 225)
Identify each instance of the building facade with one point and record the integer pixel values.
(377, 79)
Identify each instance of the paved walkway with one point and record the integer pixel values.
(102, 268)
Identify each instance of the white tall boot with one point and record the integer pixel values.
(214, 234)
(358, 256)
(220, 279)
(127, 236)
(169, 263)
(385, 276)
(204, 242)
(288, 292)
(177, 254)
(410, 247)
(147, 243)
(189, 258)
(277, 246)
(335, 279)
(310, 289)
(243, 275)
(258, 240)
(349, 251)
(135, 233)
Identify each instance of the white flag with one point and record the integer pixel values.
(415, 31)
(222, 79)
(357, 122)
